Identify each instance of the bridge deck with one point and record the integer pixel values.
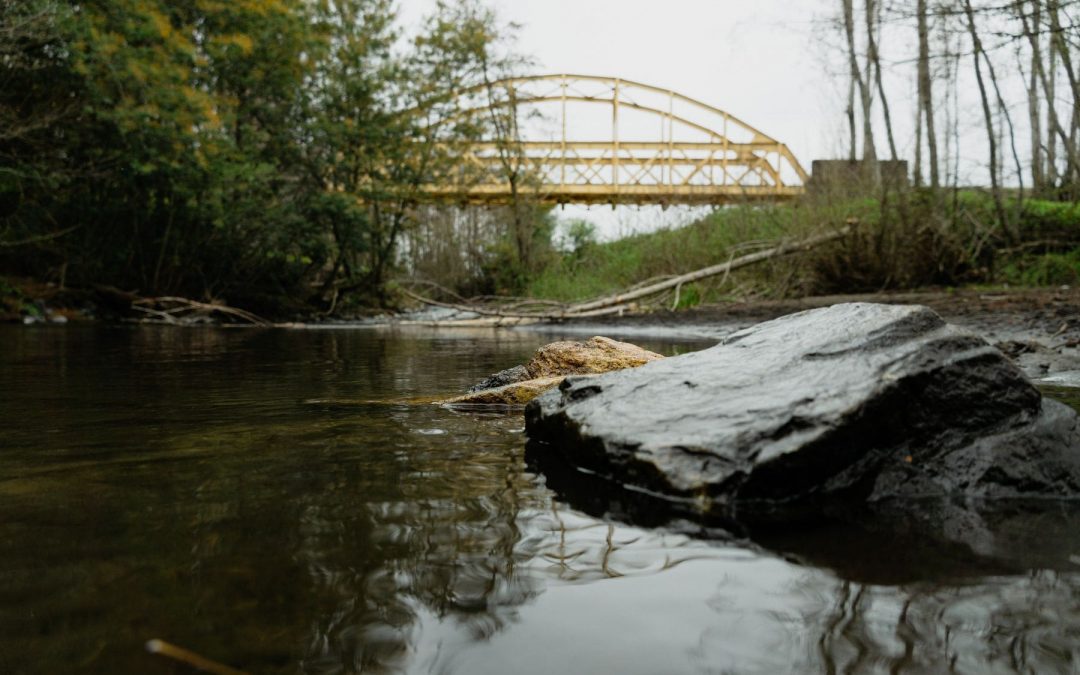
(664, 195)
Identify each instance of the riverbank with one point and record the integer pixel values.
(1038, 327)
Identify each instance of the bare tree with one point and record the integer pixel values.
(865, 95)
(1046, 74)
(991, 137)
(850, 112)
(925, 94)
(873, 57)
(1038, 180)
(1060, 46)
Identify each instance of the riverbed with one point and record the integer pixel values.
(270, 499)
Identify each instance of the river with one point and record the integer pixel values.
(265, 499)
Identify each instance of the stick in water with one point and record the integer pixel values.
(190, 658)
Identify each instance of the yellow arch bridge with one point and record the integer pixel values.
(629, 143)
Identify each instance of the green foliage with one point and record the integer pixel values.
(241, 150)
(504, 272)
(596, 268)
(689, 296)
(1044, 218)
(1050, 269)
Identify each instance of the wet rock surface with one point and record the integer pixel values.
(847, 404)
(550, 365)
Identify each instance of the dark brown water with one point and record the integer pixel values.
(240, 493)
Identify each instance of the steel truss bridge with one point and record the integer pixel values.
(585, 139)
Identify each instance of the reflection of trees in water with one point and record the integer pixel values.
(443, 537)
(1027, 624)
(349, 525)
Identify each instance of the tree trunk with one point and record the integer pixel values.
(852, 136)
(869, 151)
(1052, 123)
(1048, 77)
(916, 175)
(873, 22)
(1061, 46)
(926, 102)
(977, 51)
(1034, 102)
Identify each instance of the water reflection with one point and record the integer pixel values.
(223, 490)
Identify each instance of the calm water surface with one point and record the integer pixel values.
(259, 497)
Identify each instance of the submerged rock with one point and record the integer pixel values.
(515, 393)
(851, 402)
(549, 365)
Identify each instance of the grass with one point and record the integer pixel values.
(919, 240)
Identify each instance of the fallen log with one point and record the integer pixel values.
(623, 301)
(723, 268)
(504, 314)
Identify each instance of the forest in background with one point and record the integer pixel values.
(264, 152)
(271, 154)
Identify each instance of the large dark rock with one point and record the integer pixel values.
(843, 404)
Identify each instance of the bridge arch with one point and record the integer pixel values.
(647, 145)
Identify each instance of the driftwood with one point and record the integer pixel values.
(169, 309)
(625, 300)
(184, 312)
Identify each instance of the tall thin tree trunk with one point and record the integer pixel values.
(850, 112)
(917, 173)
(873, 23)
(1052, 123)
(977, 52)
(926, 101)
(869, 151)
(1048, 77)
(1003, 111)
(1061, 45)
(1034, 102)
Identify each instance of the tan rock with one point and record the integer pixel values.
(595, 355)
(552, 363)
(518, 393)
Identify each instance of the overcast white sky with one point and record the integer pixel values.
(767, 62)
(754, 59)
